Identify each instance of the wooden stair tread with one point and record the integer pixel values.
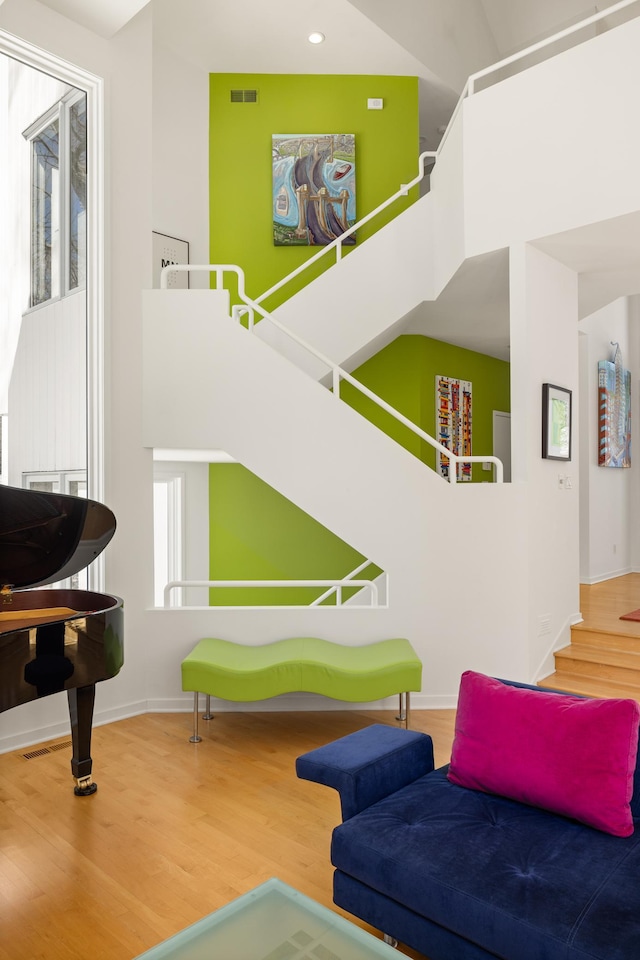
(623, 628)
(590, 686)
(604, 655)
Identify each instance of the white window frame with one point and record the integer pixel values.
(59, 283)
(93, 87)
(62, 479)
(168, 533)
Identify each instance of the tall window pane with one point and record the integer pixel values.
(45, 215)
(77, 193)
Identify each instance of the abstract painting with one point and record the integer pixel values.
(453, 415)
(314, 188)
(614, 413)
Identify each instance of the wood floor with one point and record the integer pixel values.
(176, 829)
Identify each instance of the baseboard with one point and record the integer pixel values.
(611, 575)
(54, 731)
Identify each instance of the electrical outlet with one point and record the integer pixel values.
(375, 103)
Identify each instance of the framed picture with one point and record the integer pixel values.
(168, 250)
(314, 188)
(556, 422)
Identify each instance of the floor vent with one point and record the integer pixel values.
(44, 750)
(36, 753)
(244, 96)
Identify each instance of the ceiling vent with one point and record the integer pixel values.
(244, 96)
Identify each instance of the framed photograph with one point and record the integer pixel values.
(556, 422)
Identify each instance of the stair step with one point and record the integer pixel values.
(589, 686)
(602, 663)
(619, 639)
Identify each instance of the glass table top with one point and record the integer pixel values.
(272, 922)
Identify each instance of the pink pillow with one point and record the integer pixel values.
(566, 754)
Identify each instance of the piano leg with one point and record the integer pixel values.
(81, 701)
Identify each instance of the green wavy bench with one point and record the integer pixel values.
(235, 671)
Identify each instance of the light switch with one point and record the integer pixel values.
(375, 103)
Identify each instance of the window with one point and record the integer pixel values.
(73, 482)
(58, 199)
(168, 522)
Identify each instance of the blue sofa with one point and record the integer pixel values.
(458, 874)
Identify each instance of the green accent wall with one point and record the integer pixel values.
(241, 221)
(256, 533)
(404, 374)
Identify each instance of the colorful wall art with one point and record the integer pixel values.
(314, 188)
(614, 413)
(453, 414)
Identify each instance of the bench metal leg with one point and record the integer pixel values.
(196, 738)
(207, 715)
(404, 708)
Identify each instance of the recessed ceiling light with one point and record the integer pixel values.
(316, 37)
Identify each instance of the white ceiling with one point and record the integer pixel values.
(407, 38)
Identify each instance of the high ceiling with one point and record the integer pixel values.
(441, 42)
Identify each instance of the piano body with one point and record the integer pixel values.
(56, 639)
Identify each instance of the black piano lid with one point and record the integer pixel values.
(46, 537)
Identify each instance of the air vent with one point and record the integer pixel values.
(244, 96)
(42, 751)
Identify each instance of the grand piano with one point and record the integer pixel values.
(56, 639)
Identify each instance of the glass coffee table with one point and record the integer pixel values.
(272, 922)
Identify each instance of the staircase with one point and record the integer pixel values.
(603, 658)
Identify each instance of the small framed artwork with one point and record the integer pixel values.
(556, 422)
(168, 251)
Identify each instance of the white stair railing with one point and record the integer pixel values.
(336, 585)
(337, 243)
(348, 579)
(248, 308)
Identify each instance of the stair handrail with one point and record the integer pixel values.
(212, 584)
(546, 42)
(338, 590)
(249, 307)
(336, 244)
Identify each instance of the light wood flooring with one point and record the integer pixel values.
(176, 830)
(603, 659)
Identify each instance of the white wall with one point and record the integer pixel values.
(606, 504)
(544, 349)
(572, 162)
(180, 172)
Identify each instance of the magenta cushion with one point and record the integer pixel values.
(566, 754)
